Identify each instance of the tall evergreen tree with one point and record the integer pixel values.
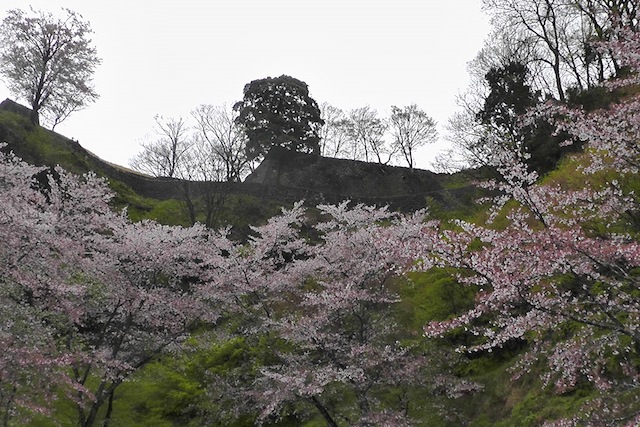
(278, 112)
(509, 98)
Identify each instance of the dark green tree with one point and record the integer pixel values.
(278, 112)
(509, 98)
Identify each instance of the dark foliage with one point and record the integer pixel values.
(278, 112)
(510, 96)
(509, 99)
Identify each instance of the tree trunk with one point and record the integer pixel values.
(35, 116)
(107, 417)
(7, 409)
(323, 411)
(363, 404)
(185, 186)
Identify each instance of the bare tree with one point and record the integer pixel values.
(204, 176)
(334, 138)
(366, 131)
(557, 40)
(538, 23)
(48, 61)
(224, 138)
(204, 158)
(603, 17)
(163, 156)
(412, 128)
(558, 37)
(470, 142)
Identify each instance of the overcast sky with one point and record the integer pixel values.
(168, 57)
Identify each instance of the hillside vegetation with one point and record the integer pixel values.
(282, 179)
(522, 311)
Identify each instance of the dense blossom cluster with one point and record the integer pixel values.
(88, 297)
(319, 292)
(340, 322)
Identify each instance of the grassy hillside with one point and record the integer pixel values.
(160, 199)
(282, 179)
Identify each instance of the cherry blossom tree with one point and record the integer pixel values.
(143, 300)
(560, 273)
(342, 329)
(29, 356)
(326, 306)
(89, 297)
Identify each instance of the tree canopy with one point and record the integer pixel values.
(48, 61)
(279, 112)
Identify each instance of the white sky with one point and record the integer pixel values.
(168, 57)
